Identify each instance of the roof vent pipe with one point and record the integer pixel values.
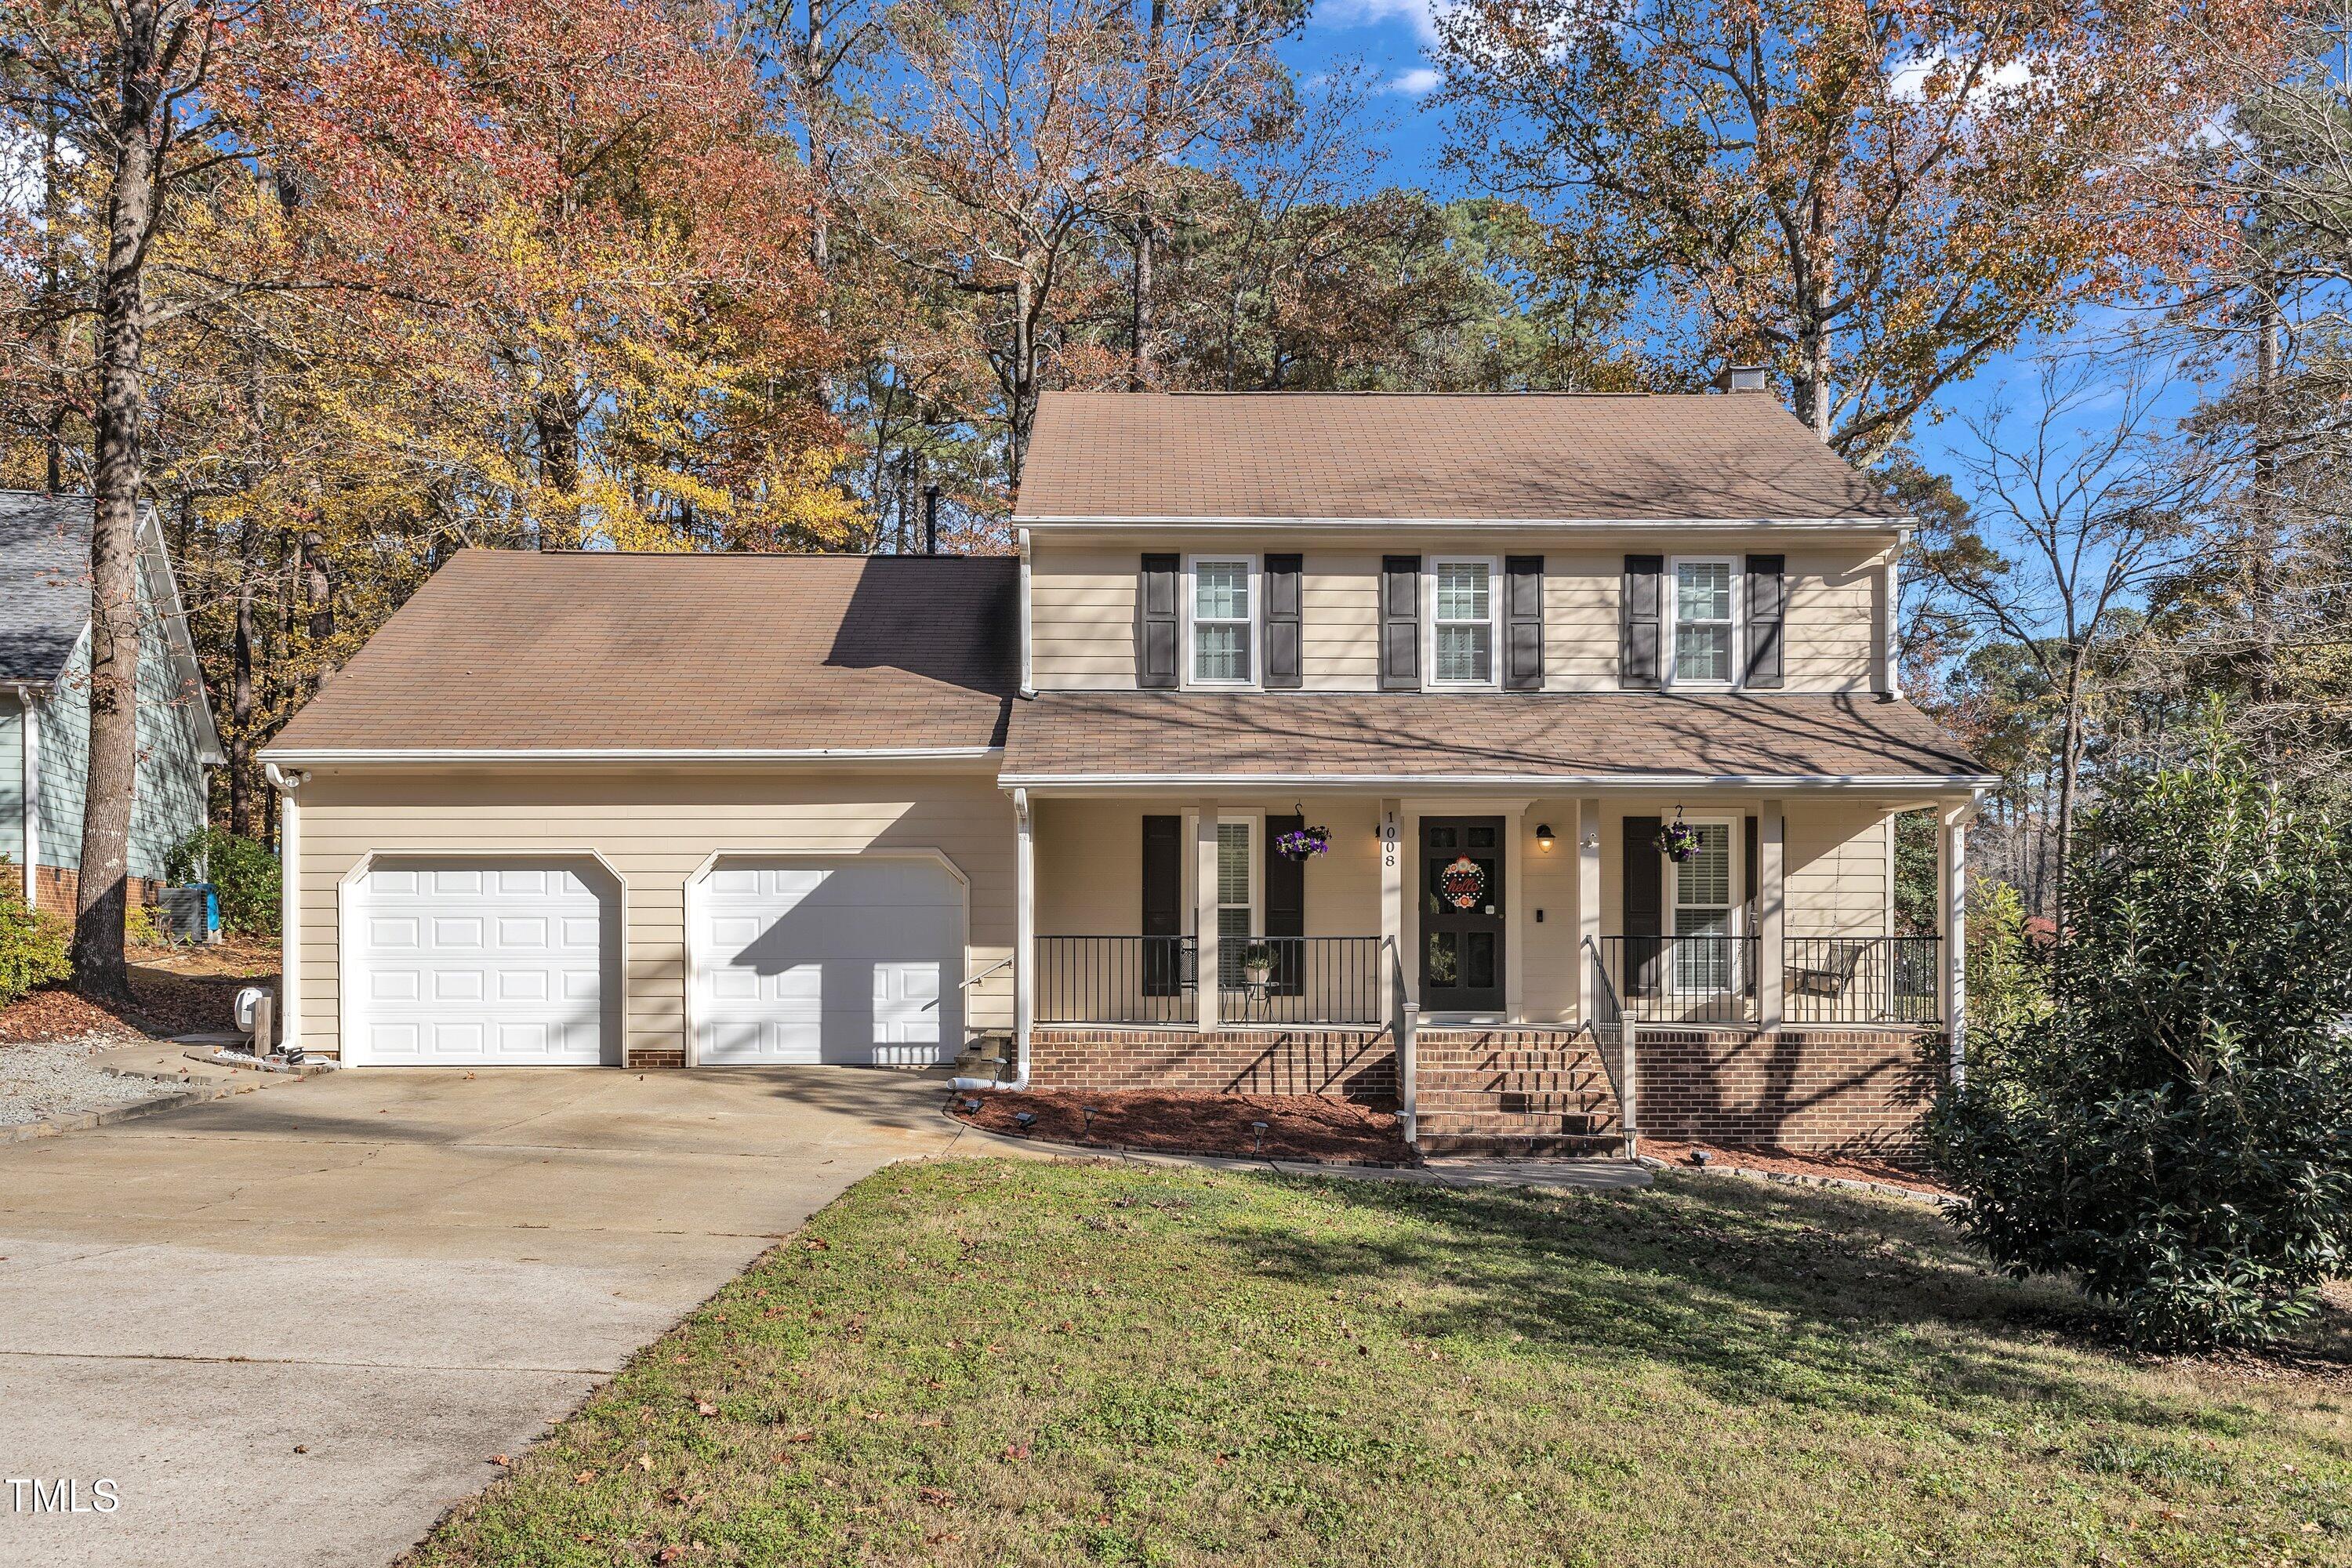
(930, 520)
(1740, 378)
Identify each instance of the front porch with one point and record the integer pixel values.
(1516, 970)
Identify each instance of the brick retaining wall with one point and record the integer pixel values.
(58, 888)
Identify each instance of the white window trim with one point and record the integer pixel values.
(1671, 621)
(1256, 818)
(1735, 827)
(1192, 587)
(1494, 566)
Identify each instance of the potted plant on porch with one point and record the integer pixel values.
(1257, 962)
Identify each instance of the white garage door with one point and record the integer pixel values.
(850, 960)
(484, 964)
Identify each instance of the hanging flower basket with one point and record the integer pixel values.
(1678, 840)
(1303, 842)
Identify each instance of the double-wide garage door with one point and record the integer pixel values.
(516, 960)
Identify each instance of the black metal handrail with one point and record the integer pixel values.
(1862, 979)
(1684, 979)
(1301, 980)
(1116, 979)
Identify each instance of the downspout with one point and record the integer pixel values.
(286, 781)
(1024, 922)
(29, 755)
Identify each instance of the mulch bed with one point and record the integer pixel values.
(166, 1003)
(1298, 1127)
(1758, 1157)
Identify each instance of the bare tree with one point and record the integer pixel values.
(2082, 508)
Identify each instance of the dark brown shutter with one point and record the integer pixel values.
(1157, 639)
(1755, 860)
(1638, 654)
(1767, 606)
(1285, 909)
(1523, 631)
(1282, 621)
(1163, 906)
(1645, 905)
(1400, 623)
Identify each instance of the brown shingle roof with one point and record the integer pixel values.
(1373, 735)
(515, 651)
(1510, 457)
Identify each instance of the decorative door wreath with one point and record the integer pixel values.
(1463, 883)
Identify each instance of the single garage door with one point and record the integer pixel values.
(488, 962)
(853, 960)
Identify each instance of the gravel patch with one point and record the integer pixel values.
(57, 1077)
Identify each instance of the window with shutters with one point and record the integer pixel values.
(1705, 895)
(1462, 622)
(1703, 604)
(1237, 897)
(1221, 614)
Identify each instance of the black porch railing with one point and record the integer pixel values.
(1684, 979)
(1116, 979)
(1862, 980)
(1301, 980)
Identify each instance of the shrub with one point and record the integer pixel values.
(243, 870)
(2178, 1128)
(2009, 985)
(35, 945)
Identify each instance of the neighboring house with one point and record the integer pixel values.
(44, 631)
(696, 810)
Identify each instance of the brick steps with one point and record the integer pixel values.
(1507, 1146)
(1512, 1095)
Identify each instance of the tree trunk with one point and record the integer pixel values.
(2070, 762)
(1139, 359)
(1024, 385)
(557, 421)
(53, 302)
(2263, 547)
(240, 694)
(112, 782)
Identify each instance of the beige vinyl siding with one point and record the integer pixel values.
(1090, 863)
(1581, 590)
(655, 829)
(1837, 869)
(1833, 596)
(1082, 607)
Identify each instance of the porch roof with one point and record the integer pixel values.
(1551, 738)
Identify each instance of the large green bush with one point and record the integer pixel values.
(2176, 1128)
(34, 943)
(243, 870)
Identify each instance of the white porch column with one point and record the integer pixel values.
(1952, 884)
(1024, 931)
(1588, 908)
(1392, 836)
(1771, 911)
(31, 728)
(1204, 913)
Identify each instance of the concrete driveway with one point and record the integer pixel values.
(289, 1327)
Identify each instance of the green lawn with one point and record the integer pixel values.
(1017, 1363)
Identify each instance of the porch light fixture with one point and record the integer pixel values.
(1543, 837)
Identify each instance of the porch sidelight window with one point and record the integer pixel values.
(1222, 620)
(1703, 623)
(1462, 622)
(1703, 905)
(1237, 903)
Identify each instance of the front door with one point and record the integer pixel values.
(1461, 914)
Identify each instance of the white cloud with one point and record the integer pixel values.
(1909, 80)
(1418, 83)
(1419, 13)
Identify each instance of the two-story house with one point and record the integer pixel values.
(1554, 739)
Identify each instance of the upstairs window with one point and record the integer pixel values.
(1704, 634)
(1462, 624)
(1222, 617)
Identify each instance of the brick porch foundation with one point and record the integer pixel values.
(1346, 1063)
(1816, 1090)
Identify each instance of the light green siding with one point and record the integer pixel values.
(171, 801)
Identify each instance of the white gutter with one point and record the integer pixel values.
(1474, 524)
(289, 905)
(29, 756)
(1378, 783)
(328, 756)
